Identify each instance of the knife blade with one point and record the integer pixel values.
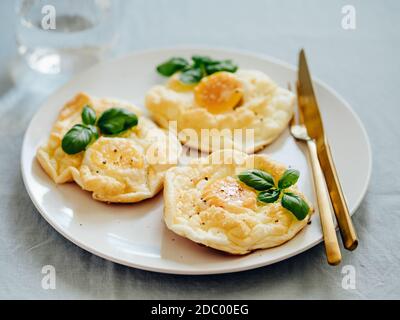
(312, 119)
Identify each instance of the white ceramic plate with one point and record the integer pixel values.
(134, 235)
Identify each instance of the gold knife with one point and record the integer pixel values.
(312, 119)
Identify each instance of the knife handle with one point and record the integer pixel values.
(346, 227)
(332, 249)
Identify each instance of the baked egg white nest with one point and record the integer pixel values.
(114, 169)
(263, 106)
(206, 203)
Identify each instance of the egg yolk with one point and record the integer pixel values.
(229, 191)
(176, 84)
(116, 155)
(219, 92)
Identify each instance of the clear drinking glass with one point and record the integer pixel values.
(60, 38)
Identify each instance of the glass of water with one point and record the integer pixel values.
(60, 38)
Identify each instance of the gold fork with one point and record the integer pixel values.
(299, 132)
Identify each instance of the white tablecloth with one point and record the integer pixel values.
(361, 64)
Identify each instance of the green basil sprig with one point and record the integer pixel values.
(200, 67)
(88, 115)
(169, 67)
(269, 193)
(111, 122)
(295, 204)
(226, 65)
(116, 120)
(78, 138)
(269, 196)
(257, 179)
(191, 76)
(289, 178)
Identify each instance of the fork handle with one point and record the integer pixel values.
(325, 211)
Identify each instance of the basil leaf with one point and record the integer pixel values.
(288, 178)
(269, 196)
(257, 179)
(226, 65)
(295, 205)
(193, 75)
(202, 60)
(95, 133)
(77, 139)
(168, 68)
(116, 120)
(88, 115)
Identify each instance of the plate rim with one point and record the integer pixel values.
(222, 270)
